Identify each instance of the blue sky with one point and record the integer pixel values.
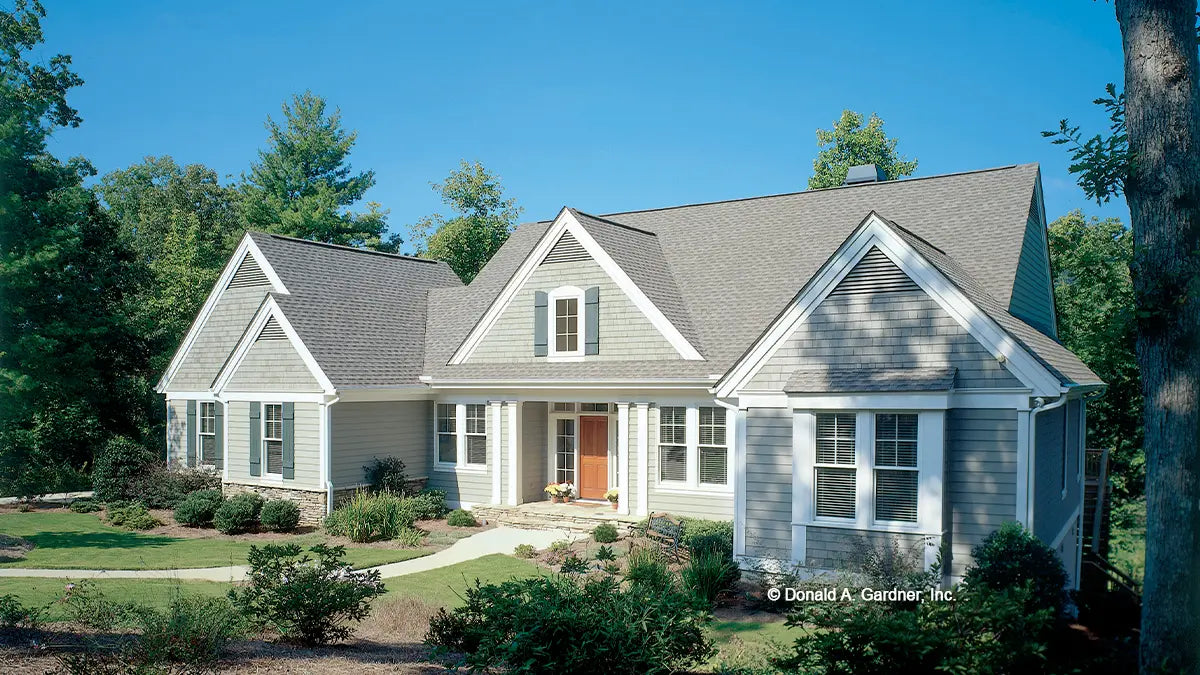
(602, 106)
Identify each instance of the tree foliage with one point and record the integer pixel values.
(302, 185)
(1101, 162)
(850, 143)
(482, 222)
(1093, 292)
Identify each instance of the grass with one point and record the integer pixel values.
(442, 587)
(744, 645)
(1127, 539)
(153, 592)
(82, 541)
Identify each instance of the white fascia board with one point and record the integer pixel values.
(566, 222)
(874, 401)
(409, 392)
(617, 385)
(875, 232)
(270, 309)
(191, 395)
(246, 247)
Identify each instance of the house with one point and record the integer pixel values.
(870, 362)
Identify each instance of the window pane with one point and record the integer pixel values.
(672, 462)
(476, 449)
(274, 456)
(208, 449)
(896, 495)
(896, 439)
(712, 426)
(476, 419)
(713, 470)
(835, 492)
(594, 407)
(447, 448)
(572, 342)
(835, 438)
(564, 407)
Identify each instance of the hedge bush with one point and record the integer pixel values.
(118, 466)
(133, 516)
(371, 517)
(605, 533)
(461, 518)
(238, 514)
(1012, 557)
(280, 515)
(161, 488)
(85, 505)
(388, 474)
(428, 505)
(198, 508)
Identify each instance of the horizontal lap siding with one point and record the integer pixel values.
(625, 333)
(1052, 509)
(632, 483)
(307, 445)
(465, 487)
(177, 433)
(533, 449)
(981, 477)
(769, 483)
(273, 365)
(894, 330)
(217, 338)
(694, 505)
(832, 548)
(363, 431)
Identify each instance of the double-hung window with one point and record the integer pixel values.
(896, 467)
(713, 447)
(476, 433)
(447, 433)
(566, 325)
(835, 475)
(461, 435)
(272, 437)
(672, 444)
(207, 433)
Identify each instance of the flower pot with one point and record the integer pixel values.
(614, 505)
(566, 499)
(554, 499)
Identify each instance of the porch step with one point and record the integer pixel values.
(554, 517)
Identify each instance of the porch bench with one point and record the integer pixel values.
(665, 531)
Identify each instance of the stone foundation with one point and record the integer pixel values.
(547, 516)
(312, 504)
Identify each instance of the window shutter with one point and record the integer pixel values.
(255, 439)
(289, 440)
(190, 446)
(220, 434)
(591, 313)
(540, 321)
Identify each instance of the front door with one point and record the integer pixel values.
(593, 457)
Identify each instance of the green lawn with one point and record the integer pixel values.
(67, 540)
(442, 587)
(1127, 539)
(153, 592)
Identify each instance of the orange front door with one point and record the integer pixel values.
(593, 457)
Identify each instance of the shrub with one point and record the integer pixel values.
(198, 508)
(162, 488)
(701, 535)
(119, 465)
(85, 505)
(370, 517)
(133, 516)
(461, 518)
(605, 533)
(573, 625)
(525, 551)
(707, 574)
(280, 515)
(303, 599)
(887, 565)
(87, 605)
(560, 546)
(429, 505)
(605, 553)
(573, 564)
(646, 568)
(15, 616)
(388, 474)
(410, 537)
(1011, 557)
(192, 630)
(238, 514)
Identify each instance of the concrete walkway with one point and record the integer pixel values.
(56, 498)
(498, 540)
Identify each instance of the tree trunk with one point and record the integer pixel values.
(1162, 89)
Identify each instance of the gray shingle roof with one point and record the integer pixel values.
(846, 380)
(361, 313)
(736, 264)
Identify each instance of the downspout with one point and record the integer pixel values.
(1040, 406)
(328, 459)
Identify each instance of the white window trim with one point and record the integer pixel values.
(463, 457)
(875, 466)
(565, 293)
(856, 464)
(552, 447)
(692, 484)
(262, 443)
(460, 439)
(201, 434)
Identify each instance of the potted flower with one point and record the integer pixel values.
(554, 492)
(566, 491)
(613, 496)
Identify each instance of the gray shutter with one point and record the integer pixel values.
(255, 439)
(540, 319)
(591, 316)
(220, 434)
(289, 440)
(190, 446)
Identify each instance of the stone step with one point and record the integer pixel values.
(550, 520)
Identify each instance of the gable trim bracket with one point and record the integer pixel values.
(566, 222)
(268, 310)
(875, 231)
(245, 248)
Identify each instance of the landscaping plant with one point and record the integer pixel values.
(16, 616)
(605, 553)
(85, 505)
(305, 599)
(133, 516)
(573, 564)
(199, 508)
(191, 630)
(161, 488)
(559, 624)
(525, 551)
(1011, 557)
(461, 518)
(410, 537)
(371, 516)
(707, 573)
(388, 475)
(605, 533)
(429, 504)
(238, 514)
(280, 515)
(118, 466)
(645, 567)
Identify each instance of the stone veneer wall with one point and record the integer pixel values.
(312, 504)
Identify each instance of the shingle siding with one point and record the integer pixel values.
(273, 365)
(363, 431)
(308, 448)
(625, 333)
(981, 477)
(1031, 286)
(217, 338)
(769, 483)
(833, 548)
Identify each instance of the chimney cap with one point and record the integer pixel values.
(865, 173)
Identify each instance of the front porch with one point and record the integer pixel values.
(575, 516)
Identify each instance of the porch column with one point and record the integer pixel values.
(514, 452)
(495, 441)
(623, 458)
(643, 445)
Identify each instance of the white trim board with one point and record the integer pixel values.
(268, 310)
(246, 247)
(875, 232)
(566, 222)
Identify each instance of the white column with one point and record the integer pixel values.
(623, 458)
(495, 440)
(931, 431)
(1023, 453)
(643, 444)
(514, 452)
(803, 435)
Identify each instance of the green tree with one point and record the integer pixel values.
(850, 143)
(70, 367)
(302, 185)
(1093, 293)
(482, 222)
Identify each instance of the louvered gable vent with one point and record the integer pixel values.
(875, 273)
(248, 274)
(272, 331)
(568, 249)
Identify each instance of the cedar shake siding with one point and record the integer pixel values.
(217, 338)
(273, 365)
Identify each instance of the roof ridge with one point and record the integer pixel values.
(612, 222)
(342, 247)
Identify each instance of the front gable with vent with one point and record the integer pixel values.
(270, 357)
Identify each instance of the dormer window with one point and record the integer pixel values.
(567, 317)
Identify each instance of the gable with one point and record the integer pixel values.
(272, 364)
(879, 317)
(1032, 292)
(217, 337)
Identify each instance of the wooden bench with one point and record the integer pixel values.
(665, 531)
